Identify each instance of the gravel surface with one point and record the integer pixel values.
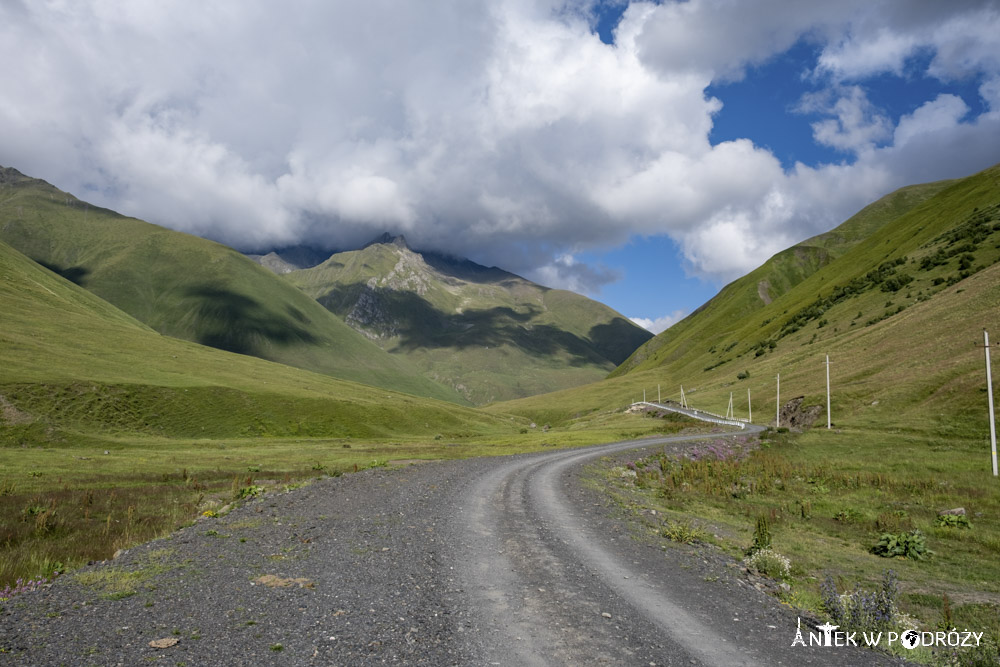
(507, 561)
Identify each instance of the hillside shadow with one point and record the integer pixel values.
(417, 324)
(74, 274)
(618, 339)
(467, 270)
(230, 321)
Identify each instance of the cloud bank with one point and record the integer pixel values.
(503, 131)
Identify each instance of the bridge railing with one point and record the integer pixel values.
(699, 414)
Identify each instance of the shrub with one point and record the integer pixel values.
(685, 532)
(761, 535)
(953, 521)
(906, 545)
(768, 563)
(849, 515)
(743, 375)
(863, 611)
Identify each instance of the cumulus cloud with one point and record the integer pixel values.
(505, 131)
(858, 125)
(660, 324)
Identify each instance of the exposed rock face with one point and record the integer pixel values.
(410, 274)
(274, 262)
(369, 315)
(796, 416)
(763, 291)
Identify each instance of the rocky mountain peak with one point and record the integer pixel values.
(388, 239)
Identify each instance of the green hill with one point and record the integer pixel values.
(754, 291)
(191, 288)
(73, 362)
(486, 332)
(899, 301)
(112, 434)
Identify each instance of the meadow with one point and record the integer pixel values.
(828, 499)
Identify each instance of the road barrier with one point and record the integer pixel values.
(698, 414)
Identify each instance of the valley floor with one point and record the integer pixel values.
(507, 560)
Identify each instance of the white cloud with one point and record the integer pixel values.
(567, 273)
(503, 131)
(858, 125)
(660, 324)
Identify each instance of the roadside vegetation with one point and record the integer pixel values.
(841, 509)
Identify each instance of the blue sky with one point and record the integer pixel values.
(764, 105)
(642, 153)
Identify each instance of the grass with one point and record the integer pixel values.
(191, 288)
(96, 493)
(828, 497)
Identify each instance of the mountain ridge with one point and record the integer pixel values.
(488, 333)
(192, 288)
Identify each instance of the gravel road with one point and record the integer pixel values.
(504, 561)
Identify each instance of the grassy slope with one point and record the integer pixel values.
(900, 359)
(777, 276)
(190, 288)
(488, 333)
(73, 361)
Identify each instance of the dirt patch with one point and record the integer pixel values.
(11, 415)
(796, 416)
(763, 291)
(272, 581)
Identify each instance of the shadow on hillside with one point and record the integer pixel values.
(467, 270)
(419, 325)
(618, 339)
(74, 274)
(233, 322)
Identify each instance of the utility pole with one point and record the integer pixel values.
(643, 395)
(777, 406)
(749, 406)
(730, 413)
(658, 399)
(684, 402)
(989, 394)
(828, 392)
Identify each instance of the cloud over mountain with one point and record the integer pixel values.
(506, 132)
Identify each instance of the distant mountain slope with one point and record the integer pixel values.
(71, 362)
(488, 333)
(900, 310)
(779, 274)
(190, 288)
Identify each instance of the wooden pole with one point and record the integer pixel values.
(777, 406)
(989, 394)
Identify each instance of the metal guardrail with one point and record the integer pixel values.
(698, 414)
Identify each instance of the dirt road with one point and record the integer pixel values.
(509, 561)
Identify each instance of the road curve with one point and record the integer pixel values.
(511, 561)
(553, 580)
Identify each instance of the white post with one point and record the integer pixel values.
(658, 398)
(828, 392)
(777, 407)
(730, 413)
(989, 393)
(749, 406)
(643, 395)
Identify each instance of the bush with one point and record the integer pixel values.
(685, 532)
(768, 563)
(743, 375)
(953, 521)
(905, 545)
(863, 611)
